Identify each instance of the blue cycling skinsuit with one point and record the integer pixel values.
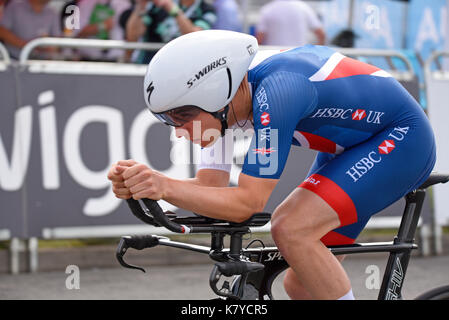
(374, 140)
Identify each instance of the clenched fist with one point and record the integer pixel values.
(136, 180)
(118, 182)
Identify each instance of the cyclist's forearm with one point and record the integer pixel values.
(201, 182)
(227, 203)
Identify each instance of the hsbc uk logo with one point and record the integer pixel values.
(359, 114)
(374, 157)
(386, 147)
(369, 116)
(265, 119)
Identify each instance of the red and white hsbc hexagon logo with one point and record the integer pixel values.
(386, 147)
(265, 119)
(359, 114)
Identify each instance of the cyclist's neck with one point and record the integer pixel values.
(240, 108)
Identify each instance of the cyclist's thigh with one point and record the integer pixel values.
(374, 174)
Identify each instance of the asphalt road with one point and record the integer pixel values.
(191, 281)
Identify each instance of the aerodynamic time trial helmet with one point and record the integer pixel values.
(198, 71)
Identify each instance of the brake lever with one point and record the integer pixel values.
(137, 243)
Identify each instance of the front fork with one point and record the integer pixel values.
(241, 270)
(264, 265)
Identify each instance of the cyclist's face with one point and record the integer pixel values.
(203, 130)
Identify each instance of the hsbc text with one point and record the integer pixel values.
(367, 116)
(365, 164)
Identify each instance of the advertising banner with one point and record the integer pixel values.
(379, 24)
(14, 134)
(427, 24)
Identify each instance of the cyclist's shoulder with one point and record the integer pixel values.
(305, 60)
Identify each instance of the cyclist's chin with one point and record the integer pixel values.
(204, 143)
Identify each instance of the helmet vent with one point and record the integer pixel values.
(230, 83)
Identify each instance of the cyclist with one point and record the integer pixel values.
(375, 144)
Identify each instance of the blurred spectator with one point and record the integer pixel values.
(287, 23)
(26, 20)
(164, 20)
(345, 39)
(228, 15)
(99, 20)
(3, 4)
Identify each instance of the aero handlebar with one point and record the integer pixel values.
(151, 213)
(156, 216)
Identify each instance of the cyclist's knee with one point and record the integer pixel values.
(284, 228)
(302, 218)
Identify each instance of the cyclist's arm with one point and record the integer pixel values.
(211, 178)
(227, 203)
(204, 177)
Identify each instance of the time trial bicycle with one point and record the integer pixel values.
(248, 273)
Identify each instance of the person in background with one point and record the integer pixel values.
(99, 20)
(26, 20)
(345, 38)
(164, 20)
(228, 15)
(288, 23)
(3, 4)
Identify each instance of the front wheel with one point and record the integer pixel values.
(440, 293)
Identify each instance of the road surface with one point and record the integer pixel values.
(191, 281)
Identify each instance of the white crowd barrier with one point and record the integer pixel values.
(437, 90)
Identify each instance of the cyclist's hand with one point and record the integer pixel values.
(143, 182)
(116, 176)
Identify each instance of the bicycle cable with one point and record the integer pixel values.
(255, 240)
(263, 247)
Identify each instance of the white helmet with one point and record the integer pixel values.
(201, 69)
